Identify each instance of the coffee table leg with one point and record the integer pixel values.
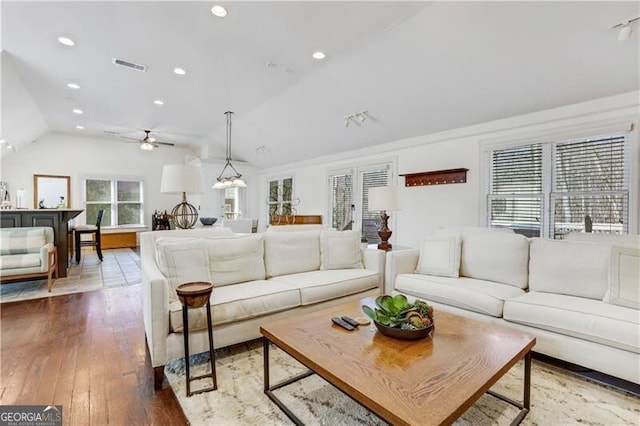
(268, 389)
(525, 406)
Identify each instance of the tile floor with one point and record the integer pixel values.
(120, 267)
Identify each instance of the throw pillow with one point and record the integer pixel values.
(440, 255)
(182, 262)
(624, 285)
(340, 250)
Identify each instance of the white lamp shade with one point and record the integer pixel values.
(383, 198)
(179, 178)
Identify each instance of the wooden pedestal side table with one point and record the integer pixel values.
(197, 295)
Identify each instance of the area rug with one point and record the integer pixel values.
(119, 268)
(557, 396)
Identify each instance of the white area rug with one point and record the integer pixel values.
(119, 268)
(557, 397)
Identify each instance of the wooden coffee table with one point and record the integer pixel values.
(431, 381)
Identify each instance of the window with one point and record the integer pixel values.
(349, 198)
(590, 187)
(280, 198)
(550, 189)
(516, 197)
(121, 200)
(234, 202)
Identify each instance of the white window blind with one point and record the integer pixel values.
(590, 187)
(553, 188)
(342, 201)
(516, 198)
(349, 198)
(370, 218)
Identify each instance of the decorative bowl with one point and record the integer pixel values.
(398, 333)
(208, 221)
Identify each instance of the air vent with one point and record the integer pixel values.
(137, 67)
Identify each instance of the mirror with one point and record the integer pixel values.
(51, 192)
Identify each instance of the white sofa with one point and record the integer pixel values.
(257, 278)
(28, 252)
(579, 297)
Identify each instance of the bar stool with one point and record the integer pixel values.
(96, 238)
(196, 295)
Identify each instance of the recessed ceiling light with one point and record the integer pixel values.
(179, 71)
(66, 41)
(80, 127)
(2, 141)
(219, 11)
(318, 55)
(73, 86)
(158, 102)
(77, 111)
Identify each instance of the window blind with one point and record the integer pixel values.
(590, 186)
(342, 200)
(370, 218)
(515, 200)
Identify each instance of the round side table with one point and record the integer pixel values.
(197, 295)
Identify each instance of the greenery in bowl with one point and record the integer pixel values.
(397, 312)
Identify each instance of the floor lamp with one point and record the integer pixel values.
(179, 178)
(383, 198)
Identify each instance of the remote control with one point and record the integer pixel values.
(351, 321)
(342, 323)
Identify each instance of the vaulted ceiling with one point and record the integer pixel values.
(416, 67)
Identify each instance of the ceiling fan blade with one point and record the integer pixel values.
(164, 143)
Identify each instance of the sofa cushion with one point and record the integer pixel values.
(579, 317)
(440, 255)
(485, 297)
(22, 240)
(340, 250)
(182, 260)
(235, 259)
(624, 283)
(16, 261)
(613, 239)
(238, 302)
(318, 286)
(291, 252)
(571, 268)
(502, 257)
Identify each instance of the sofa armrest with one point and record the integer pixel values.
(47, 257)
(373, 259)
(155, 311)
(399, 262)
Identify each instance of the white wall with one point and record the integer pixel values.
(425, 208)
(81, 157)
(20, 119)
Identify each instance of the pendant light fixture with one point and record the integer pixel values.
(234, 180)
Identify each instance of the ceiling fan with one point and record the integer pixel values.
(148, 142)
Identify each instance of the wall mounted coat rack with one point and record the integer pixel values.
(438, 177)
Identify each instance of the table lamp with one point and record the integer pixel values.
(384, 198)
(180, 178)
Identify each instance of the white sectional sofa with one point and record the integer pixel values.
(579, 297)
(257, 278)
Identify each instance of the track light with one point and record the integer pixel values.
(357, 118)
(625, 33)
(625, 30)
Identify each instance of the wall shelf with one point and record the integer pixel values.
(438, 177)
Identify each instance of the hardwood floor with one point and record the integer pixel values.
(86, 352)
